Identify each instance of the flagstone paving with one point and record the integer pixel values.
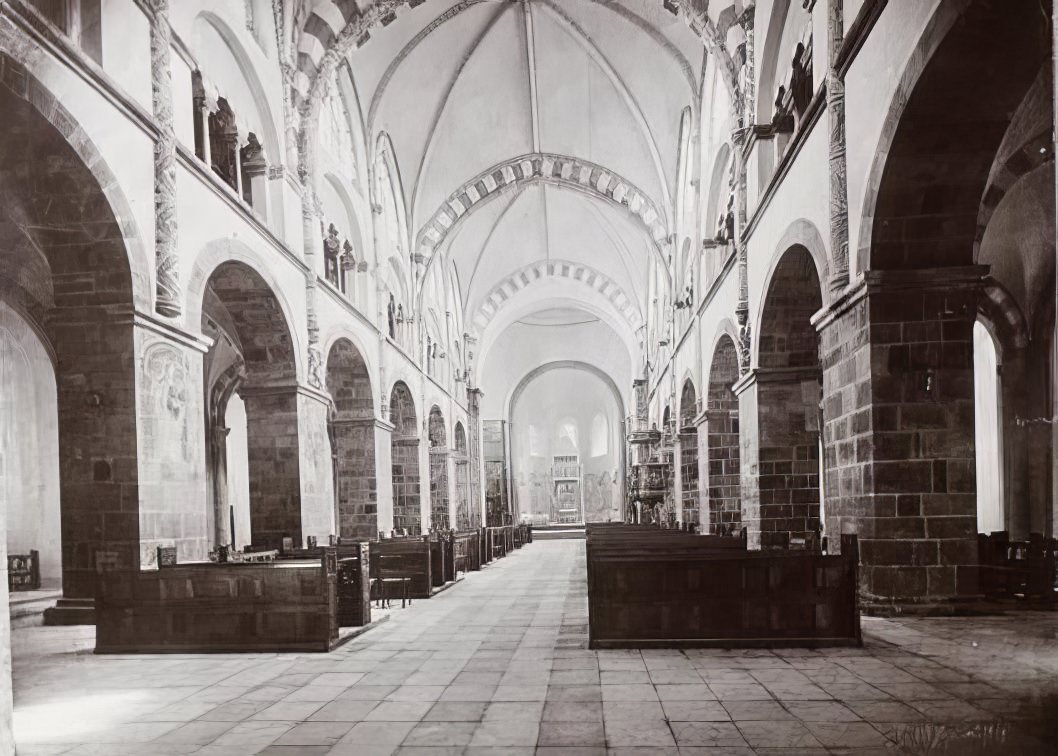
(499, 664)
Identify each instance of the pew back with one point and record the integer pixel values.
(404, 558)
(206, 607)
(669, 589)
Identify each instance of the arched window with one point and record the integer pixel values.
(568, 437)
(988, 432)
(600, 435)
(536, 441)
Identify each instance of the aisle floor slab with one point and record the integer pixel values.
(500, 665)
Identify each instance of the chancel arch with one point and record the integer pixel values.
(556, 476)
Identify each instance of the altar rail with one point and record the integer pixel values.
(663, 588)
(207, 607)
(1023, 570)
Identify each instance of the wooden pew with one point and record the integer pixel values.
(1022, 570)
(466, 551)
(657, 588)
(354, 584)
(209, 607)
(407, 558)
(442, 558)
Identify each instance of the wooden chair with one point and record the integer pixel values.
(386, 570)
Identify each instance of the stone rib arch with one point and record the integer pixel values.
(543, 270)
(559, 170)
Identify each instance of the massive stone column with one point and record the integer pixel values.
(898, 410)
(167, 286)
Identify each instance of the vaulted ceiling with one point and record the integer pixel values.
(471, 92)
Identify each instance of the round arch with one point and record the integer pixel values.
(802, 235)
(547, 367)
(996, 42)
(247, 71)
(216, 253)
(517, 310)
(18, 79)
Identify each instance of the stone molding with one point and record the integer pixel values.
(559, 170)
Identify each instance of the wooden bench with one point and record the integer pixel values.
(466, 551)
(209, 607)
(649, 587)
(1021, 570)
(354, 584)
(442, 563)
(403, 561)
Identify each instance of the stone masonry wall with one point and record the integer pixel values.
(357, 485)
(407, 512)
(724, 473)
(789, 461)
(274, 465)
(899, 433)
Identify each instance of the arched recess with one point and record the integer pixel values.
(440, 499)
(253, 354)
(723, 446)
(351, 427)
(688, 433)
(971, 70)
(465, 519)
(29, 443)
(719, 200)
(404, 453)
(589, 479)
(956, 105)
(71, 267)
(788, 389)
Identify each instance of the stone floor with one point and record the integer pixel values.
(498, 665)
